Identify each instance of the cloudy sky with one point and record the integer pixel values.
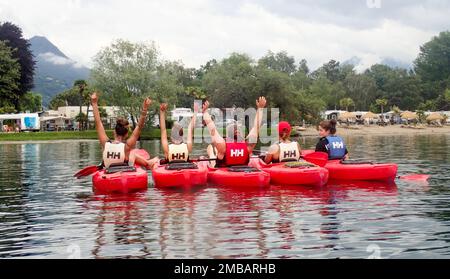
(196, 31)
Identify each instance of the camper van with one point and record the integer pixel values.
(20, 122)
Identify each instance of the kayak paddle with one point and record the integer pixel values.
(165, 162)
(415, 177)
(317, 158)
(86, 171)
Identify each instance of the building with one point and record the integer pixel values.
(72, 112)
(332, 114)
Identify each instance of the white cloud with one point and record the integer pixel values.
(58, 60)
(199, 30)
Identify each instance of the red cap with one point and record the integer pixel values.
(284, 127)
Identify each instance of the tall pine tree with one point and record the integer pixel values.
(13, 37)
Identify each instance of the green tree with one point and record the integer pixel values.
(279, 62)
(433, 65)
(31, 102)
(232, 82)
(347, 103)
(429, 105)
(70, 97)
(128, 72)
(277, 87)
(81, 86)
(13, 37)
(331, 70)
(360, 88)
(322, 88)
(9, 76)
(382, 103)
(421, 115)
(443, 101)
(398, 86)
(191, 93)
(303, 67)
(308, 107)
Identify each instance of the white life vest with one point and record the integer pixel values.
(114, 153)
(178, 153)
(289, 152)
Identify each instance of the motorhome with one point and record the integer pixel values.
(19, 122)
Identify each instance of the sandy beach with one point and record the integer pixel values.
(378, 130)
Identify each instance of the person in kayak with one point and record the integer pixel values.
(331, 143)
(285, 150)
(177, 151)
(235, 150)
(117, 151)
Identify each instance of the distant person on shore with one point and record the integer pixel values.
(177, 151)
(331, 143)
(117, 151)
(285, 150)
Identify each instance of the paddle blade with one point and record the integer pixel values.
(317, 158)
(86, 171)
(415, 177)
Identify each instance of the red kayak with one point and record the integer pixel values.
(121, 179)
(297, 174)
(183, 175)
(358, 170)
(242, 177)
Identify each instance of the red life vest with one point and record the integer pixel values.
(236, 155)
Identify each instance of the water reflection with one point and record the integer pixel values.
(43, 210)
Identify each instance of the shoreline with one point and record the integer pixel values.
(395, 130)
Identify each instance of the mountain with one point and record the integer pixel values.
(394, 63)
(55, 72)
(359, 63)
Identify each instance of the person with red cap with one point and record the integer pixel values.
(285, 150)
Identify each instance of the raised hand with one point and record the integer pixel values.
(163, 107)
(205, 107)
(147, 104)
(94, 98)
(261, 102)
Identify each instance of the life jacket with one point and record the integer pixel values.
(236, 155)
(336, 148)
(178, 153)
(114, 154)
(289, 152)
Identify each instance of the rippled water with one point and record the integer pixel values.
(45, 213)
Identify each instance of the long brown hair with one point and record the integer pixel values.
(329, 125)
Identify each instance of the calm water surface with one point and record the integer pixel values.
(45, 213)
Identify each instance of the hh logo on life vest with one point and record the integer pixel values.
(290, 154)
(113, 155)
(338, 145)
(179, 156)
(237, 152)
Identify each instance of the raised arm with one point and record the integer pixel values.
(252, 138)
(217, 141)
(191, 129)
(162, 126)
(131, 142)
(102, 137)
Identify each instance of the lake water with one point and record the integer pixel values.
(46, 213)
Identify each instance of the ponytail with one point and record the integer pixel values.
(329, 126)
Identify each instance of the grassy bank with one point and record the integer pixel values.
(86, 135)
